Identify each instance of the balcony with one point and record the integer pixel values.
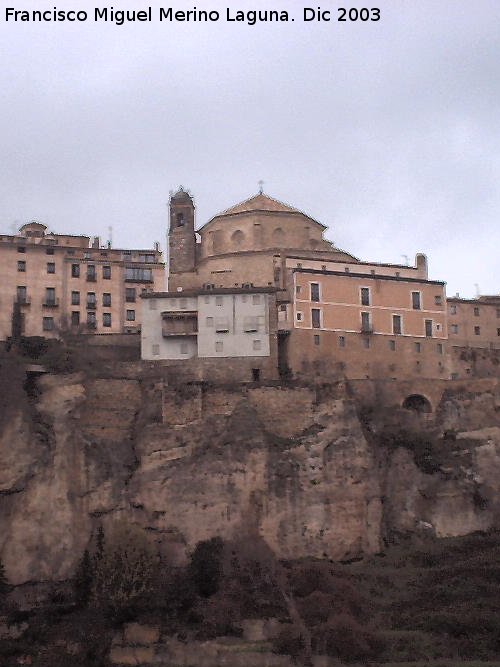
(51, 303)
(91, 305)
(179, 323)
(23, 300)
(366, 329)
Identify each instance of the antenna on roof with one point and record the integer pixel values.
(110, 236)
(261, 187)
(406, 259)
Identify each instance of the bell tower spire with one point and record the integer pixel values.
(181, 235)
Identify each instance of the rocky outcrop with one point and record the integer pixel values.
(295, 464)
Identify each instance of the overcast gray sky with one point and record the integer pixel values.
(387, 132)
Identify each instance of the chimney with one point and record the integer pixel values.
(96, 242)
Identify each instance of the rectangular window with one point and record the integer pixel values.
(48, 324)
(218, 346)
(392, 345)
(51, 267)
(498, 331)
(206, 299)
(221, 325)
(90, 272)
(256, 299)
(91, 320)
(184, 348)
(152, 304)
(106, 272)
(454, 328)
(397, 324)
(50, 296)
(415, 300)
(21, 248)
(428, 328)
(314, 291)
(476, 312)
(341, 341)
(218, 301)
(106, 299)
(453, 310)
(439, 348)
(477, 331)
(316, 318)
(75, 270)
(438, 300)
(366, 324)
(250, 324)
(317, 339)
(299, 317)
(130, 315)
(498, 312)
(91, 301)
(21, 266)
(75, 318)
(138, 275)
(106, 319)
(297, 289)
(155, 349)
(22, 296)
(256, 344)
(130, 294)
(365, 296)
(49, 251)
(418, 347)
(75, 298)
(209, 322)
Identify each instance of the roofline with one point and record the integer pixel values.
(369, 276)
(264, 211)
(480, 300)
(216, 290)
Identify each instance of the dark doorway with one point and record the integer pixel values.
(255, 374)
(418, 403)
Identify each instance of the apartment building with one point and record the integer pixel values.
(55, 283)
(474, 322)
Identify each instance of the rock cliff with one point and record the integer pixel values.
(303, 466)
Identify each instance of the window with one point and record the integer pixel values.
(106, 319)
(415, 300)
(48, 324)
(477, 331)
(397, 324)
(218, 346)
(91, 301)
(184, 348)
(75, 318)
(21, 294)
(209, 322)
(299, 317)
(297, 289)
(418, 347)
(365, 296)
(314, 291)
(454, 328)
(498, 331)
(51, 267)
(316, 318)
(366, 325)
(439, 348)
(317, 339)
(256, 344)
(498, 312)
(392, 345)
(428, 328)
(75, 270)
(218, 301)
(75, 298)
(147, 258)
(155, 349)
(49, 251)
(438, 301)
(21, 248)
(222, 325)
(152, 304)
(366, 343)
(453, 310)
(106, 272)
(256, 299)
(50, 296)
(91, 272)
(130, 294)
(138, 275)
(341, 341)
(476, 312)
(206, 299)
(21, 266)
(91, 320)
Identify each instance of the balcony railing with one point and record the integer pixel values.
(51, 303)
(91, 305)
(23, 300)
(366, 329)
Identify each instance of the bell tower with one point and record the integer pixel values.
(181, 236)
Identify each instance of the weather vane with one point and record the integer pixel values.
(261, 187)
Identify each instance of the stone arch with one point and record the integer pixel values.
(278, 236)
(417, 402)
(238, 237)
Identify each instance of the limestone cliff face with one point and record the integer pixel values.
(191, 462)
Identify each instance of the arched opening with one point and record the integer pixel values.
(180, 220)
(278, 236)
(238, 237)
(418, 403)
